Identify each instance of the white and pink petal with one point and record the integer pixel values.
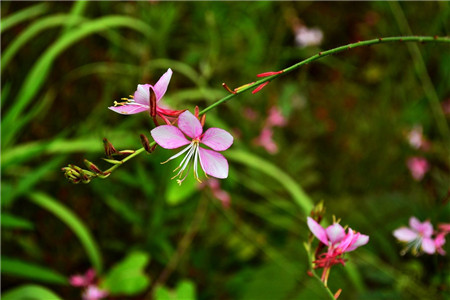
(190, 125)
(335, 233)
(129, 109)
(217, 139)
(404, 234)
(169, 137)
(142, 94)
(213, 163)
(318, 231)
(160, 87)
(428, 246)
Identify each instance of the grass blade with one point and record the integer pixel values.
(22, 15)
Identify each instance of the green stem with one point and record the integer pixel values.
(419, 39)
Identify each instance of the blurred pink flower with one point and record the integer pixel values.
(417, 236)
(217, 192)
(212, 162)
(305, 36)
(147, 98)
(338, 242)
(83, 280)
(92, 292)
(276, 118)
(444, 227)
(418, 166)
(265, 140)
(439, 241)
(250, 114)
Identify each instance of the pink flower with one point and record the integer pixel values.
(265, 139)
(439, 241)
(338, 243)
(212, 163)
(147, 98)
(82, 280)
(418, 166)
(417, 236)
(92, 292)
(218, 193)
(305, 36)
(276, 118)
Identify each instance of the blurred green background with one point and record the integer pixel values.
(64, 63)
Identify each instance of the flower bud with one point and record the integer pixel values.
(109, 148)
(145, 143)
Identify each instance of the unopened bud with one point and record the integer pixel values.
(338, 293)
(152, 103)
(145, 143)
(109, 148)
(196, 111)
(202, 120)
(92, 167)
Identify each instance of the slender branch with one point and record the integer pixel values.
(417, 39)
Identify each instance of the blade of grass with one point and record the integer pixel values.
(253, 161)
(23, 15)
(22, 269)
(30, 292)
(41, 68)
(74, 223)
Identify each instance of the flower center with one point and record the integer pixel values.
(192, 152)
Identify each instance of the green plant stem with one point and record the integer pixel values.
(418, 39)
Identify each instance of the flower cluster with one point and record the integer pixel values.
(265, 139)
(147, 98)
(338, 242)
(417, 165)
(87, 282)
(419, 237)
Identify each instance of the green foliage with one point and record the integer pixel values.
(127, 277)
(64, 63)
(30, 292)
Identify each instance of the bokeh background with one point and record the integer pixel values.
(344, 141)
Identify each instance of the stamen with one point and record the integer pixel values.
(178, 154)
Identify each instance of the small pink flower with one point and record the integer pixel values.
(417, 236)
(142, 100)
(439, 241)
(276, 118)
(444, 227)
(265, 139)
(305, 36)
(212, 162)
(418, 166)
(83, 280)
(338, 242)
(92, 292)
(218, 193)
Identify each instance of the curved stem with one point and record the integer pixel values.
(419, 39)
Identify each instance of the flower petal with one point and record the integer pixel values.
(160, 87)
(213, 163)
(428, 246)
(425, 228)
(169, 137)
(404, 234)
(361, 240)
(190, 125)
(217, 139)
(129, 109)
(317, 230)
(142, 94)
(335, 233)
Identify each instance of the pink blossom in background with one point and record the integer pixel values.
(418, 237)
(418, 166)
(141, 101)
(83, 280)
(218, 192)
(212, 162)
(265, 139)
(250, 114)
(276, 118)
(338, 242)
(444, 227)
(439, 241)
(92, 292)
(305, 36)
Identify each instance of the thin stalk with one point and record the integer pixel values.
(417, 39)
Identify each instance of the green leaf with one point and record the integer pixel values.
(30, 292)
(185, 290)
(14, 222)
(74, 223)
(253, 161)
(127, 277)
(19, 268)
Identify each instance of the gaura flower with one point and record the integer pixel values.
(338, 241)
(92, 292)
(417, 236)
(147, 98)
(212, 163)
(418, 166)
(87, 281)
(83, 280)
